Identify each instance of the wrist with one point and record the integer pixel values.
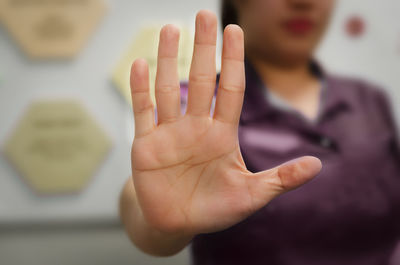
(148, 236)
(160, 231)
(155, 241)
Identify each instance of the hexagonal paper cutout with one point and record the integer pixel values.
(57, 147)
(145, 45)
(51, 28)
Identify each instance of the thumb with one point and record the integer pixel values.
(297, 172)
(266, 185)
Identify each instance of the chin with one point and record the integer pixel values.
(296, 52)
(293, 58)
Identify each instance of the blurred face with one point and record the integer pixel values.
(284, 31)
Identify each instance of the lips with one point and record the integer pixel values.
(299, 26)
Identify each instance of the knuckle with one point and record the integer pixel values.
(167, 88)
(233, 87)
(143, 108)
(202, 78)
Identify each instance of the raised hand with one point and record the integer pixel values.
(188, 172)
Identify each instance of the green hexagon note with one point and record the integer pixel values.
(57, 147)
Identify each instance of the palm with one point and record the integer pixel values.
(197, 163)
(188, 172)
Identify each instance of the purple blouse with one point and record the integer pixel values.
(349, 213)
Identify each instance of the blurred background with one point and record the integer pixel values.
(63, 86)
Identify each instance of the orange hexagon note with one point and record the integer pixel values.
(145, 45)
(51, 28)
(57, 146)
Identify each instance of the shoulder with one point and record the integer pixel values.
(368, 97)
(360, 91)
(356, 86)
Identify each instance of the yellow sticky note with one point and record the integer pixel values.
(51, 28)
(57, 147)
(145, 45)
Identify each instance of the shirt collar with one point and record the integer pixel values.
(256, 106)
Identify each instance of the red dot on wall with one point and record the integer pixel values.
(355, 26)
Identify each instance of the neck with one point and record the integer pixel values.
(284, 79)
(295, 83)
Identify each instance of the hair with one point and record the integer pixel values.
(229, 13)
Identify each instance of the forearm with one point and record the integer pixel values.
(146, 238)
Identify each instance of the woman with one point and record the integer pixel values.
(214, 181)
